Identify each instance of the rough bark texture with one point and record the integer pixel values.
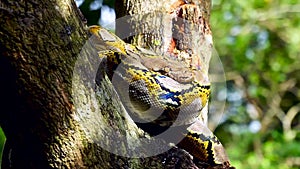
(174, 28)
(39, 41)
(46, 126)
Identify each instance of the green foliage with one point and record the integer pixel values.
(258, 42)
(2, 141)
(249, 153)
(93, 15)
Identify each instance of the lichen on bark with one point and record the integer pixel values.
(46, 126)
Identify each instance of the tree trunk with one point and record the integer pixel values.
(40, 42)
(53, 115)
(177, 29)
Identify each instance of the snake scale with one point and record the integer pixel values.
(161, 91)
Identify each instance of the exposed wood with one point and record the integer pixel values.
(46, 125)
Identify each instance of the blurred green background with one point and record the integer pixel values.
(2, 141)
(258, 43)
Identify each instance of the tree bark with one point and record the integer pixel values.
(39, 45)
(50, 114)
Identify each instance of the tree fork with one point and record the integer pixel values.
(40, 43)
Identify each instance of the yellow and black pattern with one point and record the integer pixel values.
(205, 146)
(157, 89)
(149, 95)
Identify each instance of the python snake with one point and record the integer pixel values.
(161, 91)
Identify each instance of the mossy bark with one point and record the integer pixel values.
(40, 44)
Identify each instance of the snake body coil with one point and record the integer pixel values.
(160, 91)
